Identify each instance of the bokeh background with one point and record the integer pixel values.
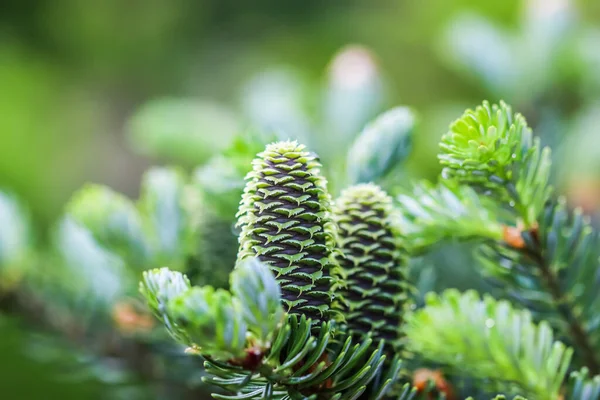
(99, 91)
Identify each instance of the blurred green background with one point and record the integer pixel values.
(76, 77)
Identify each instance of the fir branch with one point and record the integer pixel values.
(301, 366)
(584, 387)
(113, 220)
(493, 149)
(164, 206)
(16, 242)
(565, 251)
(488, 339)
(252, 353)
(158, 230)
(212, 321)
(159, 287)
(383, 144)
(432, 214)
(217, 323)
(261, 296)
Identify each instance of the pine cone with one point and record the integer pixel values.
(286, 222)
(374, 292)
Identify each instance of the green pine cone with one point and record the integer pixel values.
(374, 293)
(286, 222)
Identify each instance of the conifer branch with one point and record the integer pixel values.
(563, 249)
(584, 387)
(252, 351)
(494, 150)
(578, 334)
(433, 214)
(488, 339)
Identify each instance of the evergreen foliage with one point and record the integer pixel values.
(319, 303)
(493, 149)
(434, 213)
(494, 190)
(532, 248)
(492, 341)
(251, 349)
(381, 146)
(16, 241)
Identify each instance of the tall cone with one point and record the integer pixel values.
(286, 222)
(374, 290)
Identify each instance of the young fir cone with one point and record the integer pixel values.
(286, 222)
(374, 290)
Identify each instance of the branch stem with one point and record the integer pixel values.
(580, 339)
(577, 332)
